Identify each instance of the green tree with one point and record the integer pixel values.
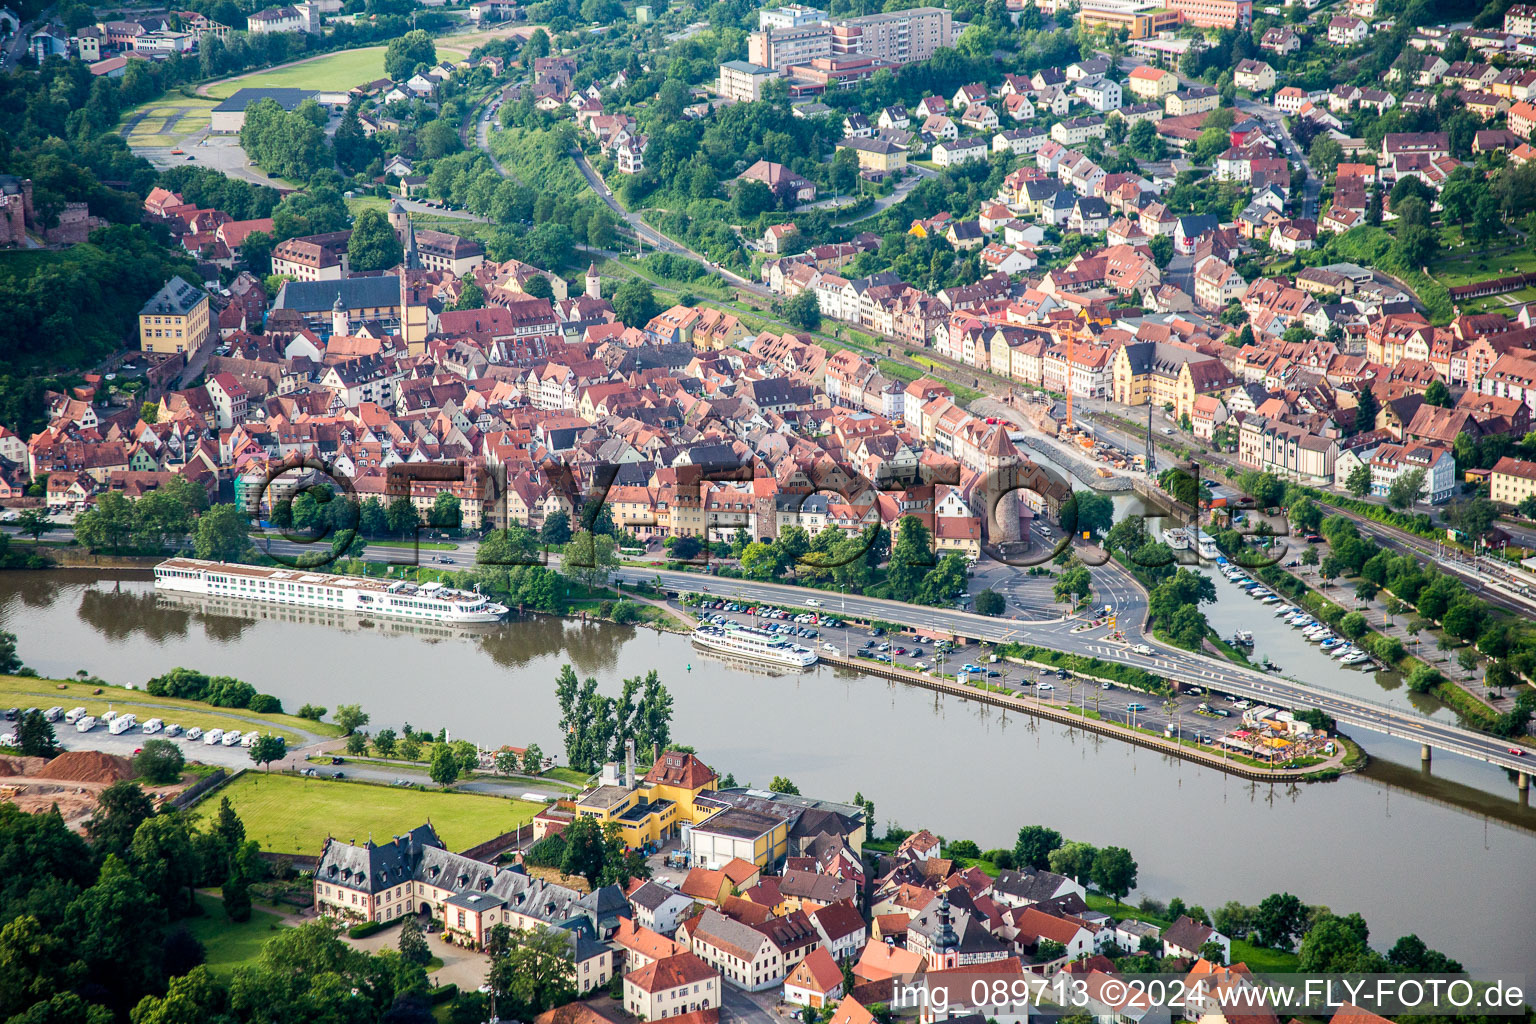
(1034, 846)
(1334, 945)
(357, 744)
(221, 534)
(911, 557)
(804, 311)
(1278, 920)
(269, 748)
(556, 528)
(1161, 245)
(990, 602)
(585, 850)
(236, 897)
(1358, 482)
(445, 514)
(533, 974)
(403, 54)
(373, 245)
(413, 943)
(159, 762)
(1366, 410)
(590, 558)
(385, 742)
(634, 303)
(533, 760)
(34, 735)
(401, 516)
(33, 522)
(1114, 872)
(782, 785)
(350, 718)
(1075, 860)
(1406, 489)
(445, 766)
(1074, 585)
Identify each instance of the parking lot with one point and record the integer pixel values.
(1193, 714)
(128, 743)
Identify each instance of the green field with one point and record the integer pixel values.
(229, 945)
(335, 72)
(168, 121)
(293, 814)
(23, 692)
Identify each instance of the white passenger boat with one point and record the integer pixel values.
(755, 645)
(422, 602)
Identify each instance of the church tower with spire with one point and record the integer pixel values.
(945, 951)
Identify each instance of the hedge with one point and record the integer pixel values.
(367, 928)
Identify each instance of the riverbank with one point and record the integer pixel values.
(1331, 767)
(838, 729)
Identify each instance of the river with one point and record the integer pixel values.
(1442, 856)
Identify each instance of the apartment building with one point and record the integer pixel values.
(742, 81)
(175, 319)
(1512, 481)
(895, 37)
(1214, 13)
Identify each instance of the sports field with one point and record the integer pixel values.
(335, 72)
(168, 121)
(294, 814)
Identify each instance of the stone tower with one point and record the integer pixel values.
(399, 220)
(1002, 462)
(594, 282)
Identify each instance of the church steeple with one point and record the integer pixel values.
(946, 944)
(412, 258)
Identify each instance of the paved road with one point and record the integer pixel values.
(644, 231)
(1186, 667)
(881, 203)
(1313, 187)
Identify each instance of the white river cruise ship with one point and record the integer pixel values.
(754, 644)
(422, 602)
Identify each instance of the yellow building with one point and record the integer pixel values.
(1167, 375)
(1137, 24)
(175, 319)
(877, 156)
(1512, 481)
(1151, 83)
(652, 809)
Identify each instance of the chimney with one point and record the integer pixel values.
(629, 764)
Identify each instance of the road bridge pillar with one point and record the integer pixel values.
(1424, 752)
(1523, 782)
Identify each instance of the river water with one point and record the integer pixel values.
(1440, 855)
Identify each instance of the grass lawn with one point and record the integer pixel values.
(168, 121)
(22, 691)
(335, 72)
(568, 775)
(293, 814)
(230, 946)
(1460, 264)
(1259, 958)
